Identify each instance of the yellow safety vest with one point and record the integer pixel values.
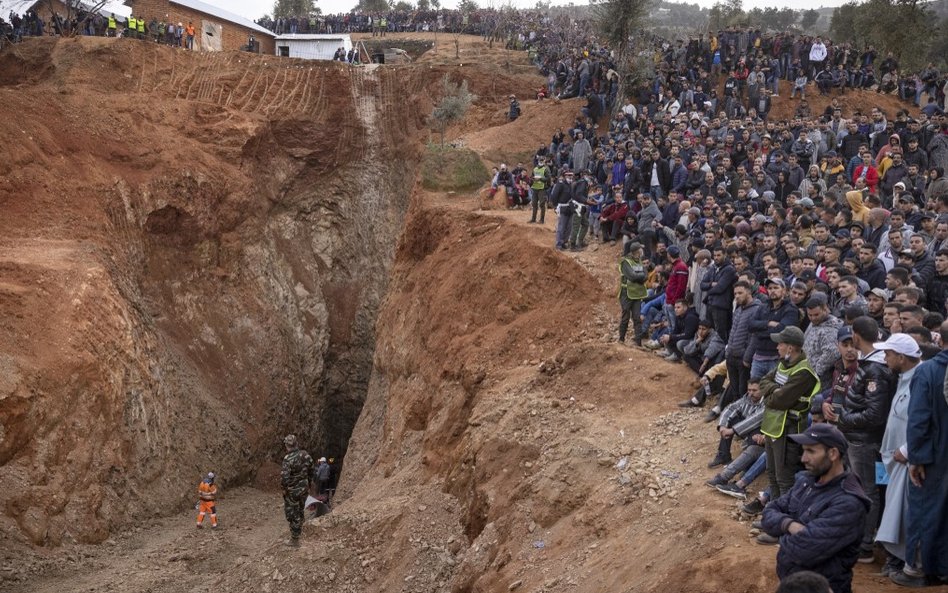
(132, 23)
(111, 22)
(141, 25)
(775, 421)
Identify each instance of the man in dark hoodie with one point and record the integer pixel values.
(821, 520)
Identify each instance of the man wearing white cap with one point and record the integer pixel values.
(926, 538)
(902, 355)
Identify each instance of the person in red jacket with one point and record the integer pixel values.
(677, 278)
(613, 216)
(867, 171)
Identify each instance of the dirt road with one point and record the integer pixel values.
(169, 556)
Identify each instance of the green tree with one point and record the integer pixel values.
(619, 21)
(467, 6)
(784, 18)
(403, 6)
(289, 8)
(808, 19)
(453, 106)
(726, 13)
(372, 6)
(904, 27)
(424, 5)
(843, 23)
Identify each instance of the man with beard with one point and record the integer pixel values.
(769, 321)
(927, 447)
(937, 291)
(861, 416)
(787, 390)
(873, 272)
(875, 302)
(821, 519)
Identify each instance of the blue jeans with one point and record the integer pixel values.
(759, 467)
(656, 191)
(759, 368)
(750, 457)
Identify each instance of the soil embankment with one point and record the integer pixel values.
(200, 253)
(194, 248)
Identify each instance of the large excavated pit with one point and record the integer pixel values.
(192, 256)
(200, 253)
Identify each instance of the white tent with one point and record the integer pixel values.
(311, 47)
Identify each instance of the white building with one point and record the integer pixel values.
(311, 47)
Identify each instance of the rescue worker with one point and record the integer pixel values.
(112, 26)
(541, 181)
(632, 291)
(207, 495)
(141, 28)
(787, 391)
(131, 26)
(323, 474)
(295, 477)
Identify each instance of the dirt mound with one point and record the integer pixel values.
(783, 107)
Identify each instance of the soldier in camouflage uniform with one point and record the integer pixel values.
(294, 478)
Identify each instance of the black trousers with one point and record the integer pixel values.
(721, 318)
(631, 309)
(737, 375)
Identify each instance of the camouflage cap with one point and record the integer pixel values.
(290, 440)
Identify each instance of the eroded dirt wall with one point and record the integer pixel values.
(192, 252)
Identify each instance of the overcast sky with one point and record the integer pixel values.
(254, 9)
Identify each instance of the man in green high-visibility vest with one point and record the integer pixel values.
(787, 391)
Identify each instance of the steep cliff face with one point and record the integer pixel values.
(192, 254)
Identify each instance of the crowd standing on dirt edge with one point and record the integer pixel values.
(797, 266)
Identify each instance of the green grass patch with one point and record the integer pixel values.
(452, 169)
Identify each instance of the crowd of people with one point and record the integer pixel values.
(797, 266)
(159, 30)
(476, 22)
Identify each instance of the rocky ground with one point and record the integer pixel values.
(507, 443)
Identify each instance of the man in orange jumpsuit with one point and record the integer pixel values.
(207, 492)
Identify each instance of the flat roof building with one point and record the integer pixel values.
(312, 47)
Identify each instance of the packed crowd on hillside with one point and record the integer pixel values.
(478, 22)
(31, 24)
(799, 267)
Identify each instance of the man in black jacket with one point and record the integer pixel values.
(718, 284)
(685, 327)
(762, 355)
(655, 174)
(873, 272)
(937, 292)
(821, 519)
(862, 417)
